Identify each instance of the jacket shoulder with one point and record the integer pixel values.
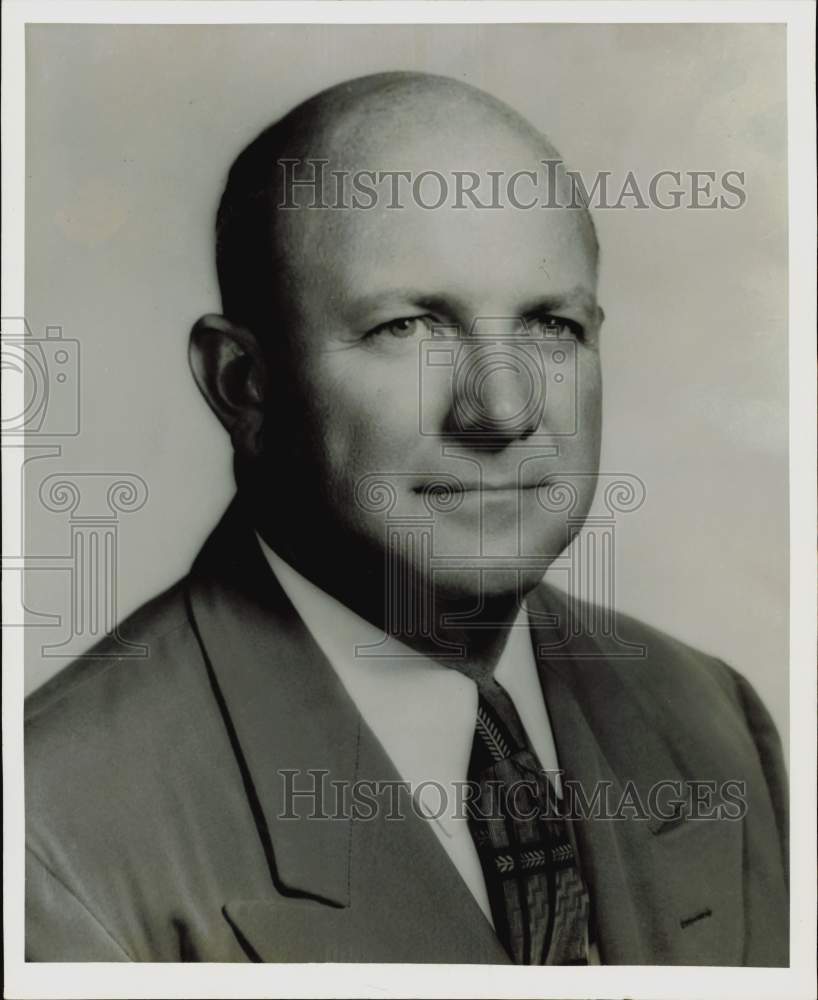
(695, 700)
(108, 721)
(133, 795)
(641, 652)
(152, 623)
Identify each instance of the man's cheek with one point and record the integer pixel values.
(589, 410)
(357, 446)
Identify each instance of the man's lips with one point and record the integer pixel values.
(447, 487)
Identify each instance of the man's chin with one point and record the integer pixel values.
(515, 543)
(485, 583)
(459, 561)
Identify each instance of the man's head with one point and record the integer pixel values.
(324, 367)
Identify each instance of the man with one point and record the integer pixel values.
(370, 612)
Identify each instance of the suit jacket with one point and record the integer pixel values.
(156, 821)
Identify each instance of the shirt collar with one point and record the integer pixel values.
(422, 712)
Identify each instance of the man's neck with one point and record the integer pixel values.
(466, 631)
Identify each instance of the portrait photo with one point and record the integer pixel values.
(403, 509)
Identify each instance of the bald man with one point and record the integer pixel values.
(365, 729)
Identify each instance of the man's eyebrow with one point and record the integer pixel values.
(578, 297)
(416, 297)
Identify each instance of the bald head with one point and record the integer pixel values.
(382, 131)
(365, 116)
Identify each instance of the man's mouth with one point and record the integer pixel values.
(437, 486)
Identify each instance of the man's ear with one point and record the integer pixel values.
(228, 365)
(592, 331)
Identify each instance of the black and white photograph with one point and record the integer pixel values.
(408, 455)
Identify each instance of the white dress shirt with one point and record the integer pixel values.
(390, 684)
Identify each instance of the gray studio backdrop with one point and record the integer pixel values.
(130, 132)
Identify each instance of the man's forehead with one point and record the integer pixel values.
(471, 251)
(365, 277)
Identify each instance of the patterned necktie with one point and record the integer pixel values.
(539, 903)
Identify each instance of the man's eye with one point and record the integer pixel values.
(560, 326)
(401, 329)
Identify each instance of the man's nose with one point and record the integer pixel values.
(497, 393)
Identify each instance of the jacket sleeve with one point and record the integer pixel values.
(59, 927)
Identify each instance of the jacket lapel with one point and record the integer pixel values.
(340, 889)
(286, 713)
(406, 901)
(662, 890)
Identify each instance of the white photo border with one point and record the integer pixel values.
(109, 980)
